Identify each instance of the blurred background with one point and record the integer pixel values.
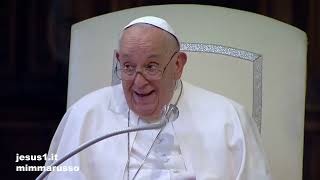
(34, 49)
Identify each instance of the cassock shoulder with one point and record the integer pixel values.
(89, 110)
(101, 97)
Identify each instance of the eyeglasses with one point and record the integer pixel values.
(150, 71)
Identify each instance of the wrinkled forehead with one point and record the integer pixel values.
(146, 36)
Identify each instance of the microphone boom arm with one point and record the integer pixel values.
(93, 141)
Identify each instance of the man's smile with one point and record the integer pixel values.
(146, 97)
(142, 94)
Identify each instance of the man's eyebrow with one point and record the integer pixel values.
(125, 56)
(154, 56)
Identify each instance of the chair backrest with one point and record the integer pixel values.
(255, 60)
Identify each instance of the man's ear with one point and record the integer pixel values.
(117, 54)
(181, 61)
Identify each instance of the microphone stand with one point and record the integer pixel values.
(172, 110)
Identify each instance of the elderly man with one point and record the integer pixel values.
(213, 138)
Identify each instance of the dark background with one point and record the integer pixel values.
(34, 47)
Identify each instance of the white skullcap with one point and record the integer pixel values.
(154, 21)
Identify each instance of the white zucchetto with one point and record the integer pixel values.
(154, 21)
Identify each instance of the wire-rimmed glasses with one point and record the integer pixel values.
(150, 71)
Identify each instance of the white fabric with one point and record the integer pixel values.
(165, 160)
(217, 139)
(155, 21)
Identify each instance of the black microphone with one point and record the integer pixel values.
(171, 114)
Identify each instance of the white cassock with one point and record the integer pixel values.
(212, 139)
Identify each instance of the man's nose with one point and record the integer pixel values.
(140, 80)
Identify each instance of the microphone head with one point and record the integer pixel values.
(172, 113)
